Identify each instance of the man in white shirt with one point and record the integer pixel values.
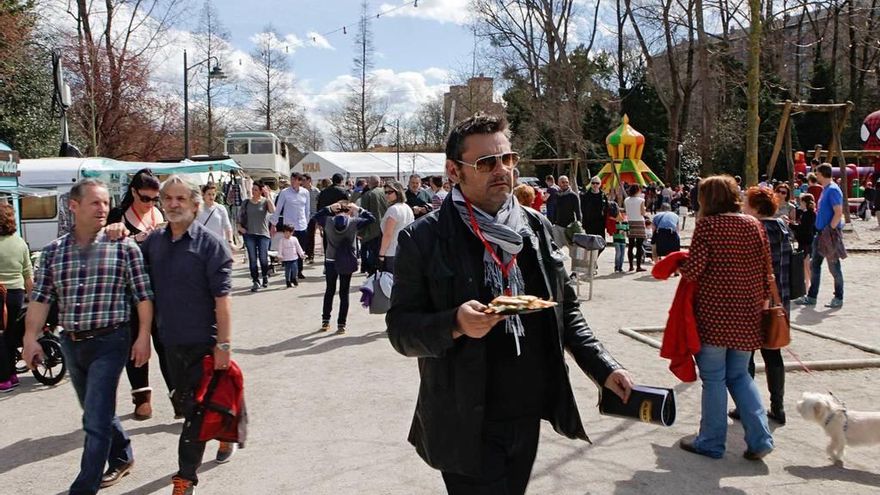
(292, 208)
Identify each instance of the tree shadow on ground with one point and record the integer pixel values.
(32, 450)
(675, 469)
(835, 473)
(337, 342)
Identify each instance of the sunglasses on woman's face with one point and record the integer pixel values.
(390, 191)
(148, 199)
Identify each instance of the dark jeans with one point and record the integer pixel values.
(816, 272)
(331, 275)
(370, 255)
(509, 450)
(95, 366)
(11, 338)
(303, 237)
(185, 364)
(638, 246)
(309, 246)
(139, 378)
(291, 268)
(257, 247)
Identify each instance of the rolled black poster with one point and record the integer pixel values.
(647, 404)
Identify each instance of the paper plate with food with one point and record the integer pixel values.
(517, 305)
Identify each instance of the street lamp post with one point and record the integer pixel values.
(397, 143)
(215, 73)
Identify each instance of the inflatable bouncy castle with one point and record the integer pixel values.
(626, 145)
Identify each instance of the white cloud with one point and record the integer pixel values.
(436, 73)
(451, 11)
(318, 41)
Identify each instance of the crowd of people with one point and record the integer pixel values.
(139, 280)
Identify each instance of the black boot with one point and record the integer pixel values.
(776, 386)
(265, 281)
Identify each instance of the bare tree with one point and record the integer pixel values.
(113, 47)
(664, 21)
(270, 83)
(212, 41)
(357, 122)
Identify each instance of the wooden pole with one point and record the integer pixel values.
(789, 158)
(780, 135)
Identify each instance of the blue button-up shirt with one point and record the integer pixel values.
(187, 274)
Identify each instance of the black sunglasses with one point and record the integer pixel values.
(486, 164)
(148, 199)
(390, 191)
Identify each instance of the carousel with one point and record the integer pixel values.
(625, 146)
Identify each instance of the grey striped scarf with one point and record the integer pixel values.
(505, 231)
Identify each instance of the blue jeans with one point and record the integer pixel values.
(303, 237)
(257, 247)
(723, 370)
(816, 273)
(291, 268)
(95, 366)
(619, 251)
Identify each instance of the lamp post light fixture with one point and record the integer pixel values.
(215, 73)
(383, 130)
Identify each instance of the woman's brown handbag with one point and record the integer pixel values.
(774, 321)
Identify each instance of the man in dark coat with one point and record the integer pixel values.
(594, 204)
(488, 380)
(334, 193)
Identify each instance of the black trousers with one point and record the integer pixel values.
(185, 364)
(509, 450)
(639, 246)
(139, 378)
(11, 337)
(309, 246)
(370, 255)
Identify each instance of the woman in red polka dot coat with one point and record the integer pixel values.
(730, 261)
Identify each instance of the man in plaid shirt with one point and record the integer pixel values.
(90, 278)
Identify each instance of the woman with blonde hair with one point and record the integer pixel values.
(729, 259)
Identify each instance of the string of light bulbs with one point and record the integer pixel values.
(345, 28)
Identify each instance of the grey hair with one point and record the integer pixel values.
(374, 181)
(78, 190)
(195, 192)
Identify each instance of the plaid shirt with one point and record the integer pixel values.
(94, 285)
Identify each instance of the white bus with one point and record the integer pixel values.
(261, 154)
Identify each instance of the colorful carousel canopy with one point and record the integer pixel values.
(625, 146)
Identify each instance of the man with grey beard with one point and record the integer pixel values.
(194, 317)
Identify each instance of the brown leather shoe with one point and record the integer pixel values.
(143, 410)
(115, 475)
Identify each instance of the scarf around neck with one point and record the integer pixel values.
(505, 232)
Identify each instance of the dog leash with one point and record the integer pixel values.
(836, 398)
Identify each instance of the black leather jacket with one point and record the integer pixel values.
(433, 276)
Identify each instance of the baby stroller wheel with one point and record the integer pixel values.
(51, 371)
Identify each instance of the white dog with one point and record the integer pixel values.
(844, 426)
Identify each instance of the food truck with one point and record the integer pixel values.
(42, 215)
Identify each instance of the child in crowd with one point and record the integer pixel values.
(649, 247)
(290, 250)
(619, 238)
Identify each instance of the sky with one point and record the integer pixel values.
(419, 51)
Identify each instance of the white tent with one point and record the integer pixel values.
(323, 164)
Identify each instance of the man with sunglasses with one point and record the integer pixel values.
(488, 380)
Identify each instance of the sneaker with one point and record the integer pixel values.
(325, 325)
(288, 284)
(225, 452)
(182, 486)
(265, 282)
(301, 276)
(835, 303)
(340, 330)
(7, 386)
(255, 287)
(14, 379)
(805, 301)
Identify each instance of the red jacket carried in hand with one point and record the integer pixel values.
(680, 339)
(220, 403)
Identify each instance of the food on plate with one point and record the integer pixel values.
(517, 304)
